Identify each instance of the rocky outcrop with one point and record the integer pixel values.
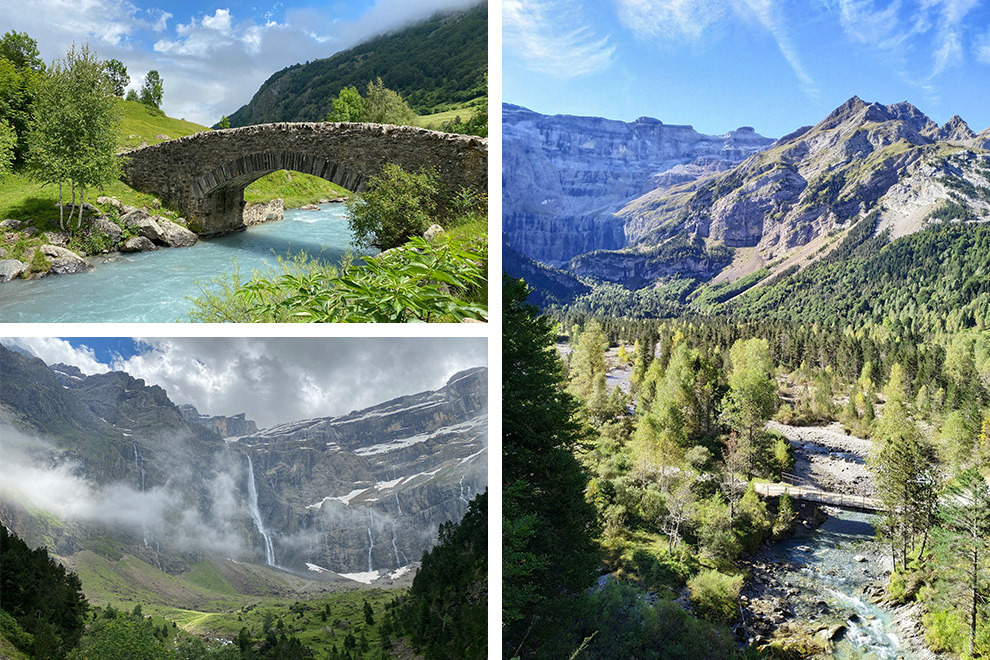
(63, 261)
(226, 427)
(564, 176)
(374, 485)
(256, 214)
(11, 269)
(863, 156)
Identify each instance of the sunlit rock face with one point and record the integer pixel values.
(564, 177)
(358, 493)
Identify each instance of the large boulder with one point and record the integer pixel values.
(10, 223)
(112, 201)
(175, 235)
(143, 224)
(60, 238)
(64, 262)
(105, 226)
(12, 268)
(137, 244)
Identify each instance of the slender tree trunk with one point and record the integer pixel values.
(82, 194)
(61, 208)
(972, 609)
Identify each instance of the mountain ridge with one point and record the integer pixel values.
(171, 492)
(784, 205)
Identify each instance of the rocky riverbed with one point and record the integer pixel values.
(829, 459)
(820, 593)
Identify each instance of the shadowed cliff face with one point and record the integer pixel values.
(366, 491)
(564, 177)
(116, 459)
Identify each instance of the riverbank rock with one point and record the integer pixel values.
(10, 224)
(60, 238)
(141, 222)
(137, 244)
(105, 226)
(433, 233)
(309, 207)
(175, 235)
(11, 269)
(64, 262)
(256, 214)
(113, 202)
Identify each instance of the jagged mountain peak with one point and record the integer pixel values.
(956, 129)
(856, 112)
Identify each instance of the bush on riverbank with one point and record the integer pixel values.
(441, 282)
(716, 596)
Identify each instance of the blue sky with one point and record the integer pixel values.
(212, 56)
(772, 64)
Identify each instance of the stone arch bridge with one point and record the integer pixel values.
(203, 176)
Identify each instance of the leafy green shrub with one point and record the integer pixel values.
(17, 636)
(946, 630)
(396, 206)
(715, 595)
(423, 282)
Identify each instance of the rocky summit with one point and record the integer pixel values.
(360, 494)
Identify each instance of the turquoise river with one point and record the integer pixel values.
(157, 287)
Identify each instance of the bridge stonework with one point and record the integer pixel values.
(204, 175)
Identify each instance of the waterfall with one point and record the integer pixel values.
(139, 464)
(461, 485)
(395, 547)
(397, 503)
(371, 540)
(256, 515)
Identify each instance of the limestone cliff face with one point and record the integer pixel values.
(357, 493)
(564, 176)
(226, 427)
(366, 491)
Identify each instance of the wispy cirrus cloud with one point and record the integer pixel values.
(770, 16)
(930, 29)
(981, 47)
(552, 38)
(670, 19)
(693, 20)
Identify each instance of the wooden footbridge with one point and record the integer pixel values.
(841, 500)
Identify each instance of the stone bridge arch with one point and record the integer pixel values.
(204, 175)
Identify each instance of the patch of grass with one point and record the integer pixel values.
(464, 111)
(295, 189)
(206, 575)
(139, 124)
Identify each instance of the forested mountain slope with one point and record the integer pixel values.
(438, 62)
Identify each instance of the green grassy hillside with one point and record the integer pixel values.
(141, 125)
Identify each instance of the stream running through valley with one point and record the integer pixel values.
(821, 584)
(156, 287)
